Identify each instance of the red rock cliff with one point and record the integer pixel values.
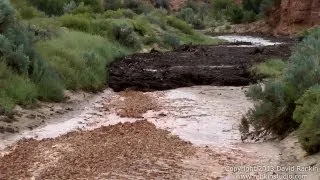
(291, 16)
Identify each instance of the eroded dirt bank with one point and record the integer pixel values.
(222, 65)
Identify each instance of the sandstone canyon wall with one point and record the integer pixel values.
(291, 16)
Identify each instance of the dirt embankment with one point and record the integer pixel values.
(222, 65)
(292, 16)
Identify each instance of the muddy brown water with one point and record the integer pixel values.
(154, 141)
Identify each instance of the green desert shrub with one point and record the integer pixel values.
(158, 17)
(248, 11)
(112, 4)
(219, 7)
(15, 89)
(258, 7)
(249, 16)
(305, 33)
(80, 22)
(49, 84)
(179, 24)
(142, 26)
(17, 51)
(269, 69)
(28, 12)
(193, 5)
(120, 13)
(126, 35)
(69, 6)
(235, 14)
(162, 4)
(144, 8)
(272, 112)
(25, 10)
(80, 9)
(186, 14)
(307, 113)
(267, 5)
(80, 65)
(275, 105)
(170, 40)
(252, 5)
(121, 30)
(304, 67)
(88, 23)
(138, 6)
(50, 7)
(131, 4)
(6, 15)
(198, 23)
(59, 7)
(189, 15)
(149, 40)
(228, 9)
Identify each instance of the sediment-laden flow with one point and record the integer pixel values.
(222, 65)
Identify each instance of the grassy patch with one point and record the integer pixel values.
(269, 69)
(180, 24)
(80, 59)
(15, 89)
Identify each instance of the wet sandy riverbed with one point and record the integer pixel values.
(204, 115)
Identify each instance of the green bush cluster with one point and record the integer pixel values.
(190, 16)
(126, 35)
(307, 113)
(248, 11)
(162, 4)
(277, 111)
(14, 89)
(120, 13)
(179, 24)
(269, 69)
(258, 6)
(305, 33)
(80, 65)
(194, 13)
(132, 30)
(171, 40)
(25, 11)
(6, 15)
(59, 7)
(24, 73)
(121, 30)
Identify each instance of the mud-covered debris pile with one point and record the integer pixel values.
(191, 65)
